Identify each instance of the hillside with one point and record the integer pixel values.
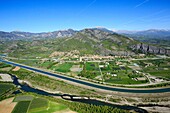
(86, 41)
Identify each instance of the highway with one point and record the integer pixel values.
(89, 84)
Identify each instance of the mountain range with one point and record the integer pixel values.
(150, 34)
(87, 41)
(18, 35)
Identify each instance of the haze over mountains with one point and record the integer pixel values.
(151, 33)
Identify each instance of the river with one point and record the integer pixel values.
(27, 88)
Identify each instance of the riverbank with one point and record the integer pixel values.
(26, 88)
(92, 100)
(104, 100)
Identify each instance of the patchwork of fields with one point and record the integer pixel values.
(27, 103)
(158, 68)
(114, 72)
(32, 104)
(117, 71)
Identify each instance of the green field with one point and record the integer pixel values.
(21, 107)
(52, 107)
(4, 68)
(65, 67)
(33, 104)
(46, 64)
(123, 80)
(3, 65)
(161, 73)
(90, 70)
(159, 68)
(5, 87)
(23, 98)
(124, 74)
(38, 103)
(92, 66)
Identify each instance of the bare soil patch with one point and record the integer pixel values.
(75, 68)
(16, 68)
(6, 77)
(7, 105)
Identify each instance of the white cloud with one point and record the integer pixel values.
(141, 3)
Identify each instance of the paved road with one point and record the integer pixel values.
(92, 85)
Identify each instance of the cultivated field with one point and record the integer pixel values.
(5, 87)
(52, 107)
(32, 104)
(159, 68)
(7, 105)
(4, 67)
(21, 107)
(65, 67)
(38, 104)
(23, 98)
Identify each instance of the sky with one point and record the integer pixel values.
(52, 15)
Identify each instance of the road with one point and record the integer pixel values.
(87, 83)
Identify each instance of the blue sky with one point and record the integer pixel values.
(51, 15)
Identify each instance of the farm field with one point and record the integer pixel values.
(38, 103)
(21, 107)
(5, 87)
(6, 106)
(90, 70)
(114, 72)
(23, 98)
(158, 68)
(64, 67)
(120, 73)
(52, 107)
(4, 67)
(46, 64)
(92, 66)
(33, 104)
